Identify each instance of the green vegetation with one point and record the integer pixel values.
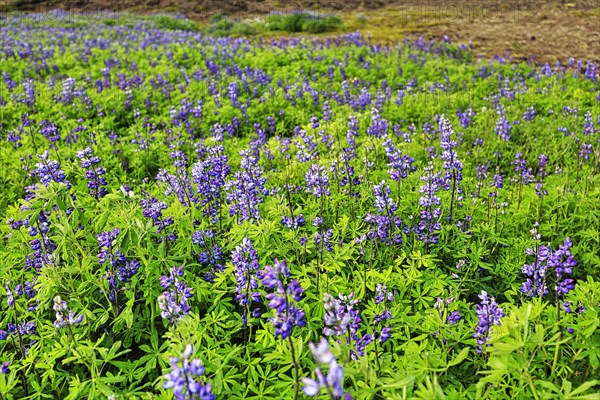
(186, 216)
(290, 23)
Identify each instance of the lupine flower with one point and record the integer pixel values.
(42, 249)
(496, 183)
(442, 307)
(64, 316)
(247, 189)
(152, 208)
(24, 328)
(348, 176)
(529, 114)
(352, 133)
(379, 126)
(209, 176)
(591, 71)
(306, 145)
(431, 212)
(10, 298)
(521, 168)
(385, 222)
(566, 306)
(211, 254)
(563, 262)
(4, 368)
(400, 97)
(50, 131)
(323, 238)
(174, 303)
(383, 201)
(233, 93)
(287, 314)
(293, 223)
(465, 118)
(503, 126)
(317, 181)
(271, 124)
(326, 111)
(184, 378)
(341, 317)
(245, 261)
(180, 182)
(452, 165)
(488, 314)
(26, 289)
(535, 284)
(588, 125)
(399, 165)
(539, 186)
(585, 151)
(335, 374)
(93, 172)
(382, 295)
(118, 268)
(454, 317)
(47, 171)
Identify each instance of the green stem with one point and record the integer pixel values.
(296, 368)
(532, 386)
(557, 349)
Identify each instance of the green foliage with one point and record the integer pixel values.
(170, 89)
(303, 22)
(294, 23)
(172, 23)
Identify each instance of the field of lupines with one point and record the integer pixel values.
(194, 218)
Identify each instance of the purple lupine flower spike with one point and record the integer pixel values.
(488, 314)
(174, 303)
(335, 374)
(283, 299)
(184, 378)
(64, 316)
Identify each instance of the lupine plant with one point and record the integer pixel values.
(184, 378)
(156, 177)
(282, 301)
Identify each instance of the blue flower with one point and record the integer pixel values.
(4, 369)
(247, 189)
(335, 374)
(317, 181)
(183, 378)
(174, 303)
(10, 298)
(64, 316)
(93, 173)
(282, 300)
(488, 314)
(152, 208)
(245, 261)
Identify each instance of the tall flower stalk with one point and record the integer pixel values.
(283, 301)
(317, 183)
(245, 261)
(488, 315)
(184, 378)
(332, 383)
(452, 165)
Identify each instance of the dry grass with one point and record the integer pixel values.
(550, 31)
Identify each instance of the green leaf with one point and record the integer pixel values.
(459, 357)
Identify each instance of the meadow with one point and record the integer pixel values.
(193, 216)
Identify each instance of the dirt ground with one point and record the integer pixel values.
(550, 30)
